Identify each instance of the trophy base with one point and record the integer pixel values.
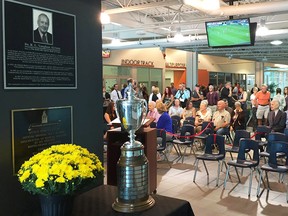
(133, 207)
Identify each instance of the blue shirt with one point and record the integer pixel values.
(165, 122)
(182, 95)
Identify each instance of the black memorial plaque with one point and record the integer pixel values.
(32, 61)
(36, 129)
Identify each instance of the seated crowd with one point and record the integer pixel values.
(226, 107)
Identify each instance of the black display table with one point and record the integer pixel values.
(98, 201)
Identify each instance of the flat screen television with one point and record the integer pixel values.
(229, 33)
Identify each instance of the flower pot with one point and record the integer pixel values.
(56, 205)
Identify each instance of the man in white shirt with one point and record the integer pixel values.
(115, 94)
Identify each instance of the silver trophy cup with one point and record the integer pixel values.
(132, 167)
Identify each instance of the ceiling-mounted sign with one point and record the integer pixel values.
(137, 63)
(39, 47)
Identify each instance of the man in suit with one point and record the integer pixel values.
(276, 118)
(41, 34)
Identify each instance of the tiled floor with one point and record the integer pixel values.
(209, 200)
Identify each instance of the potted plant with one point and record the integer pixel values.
(57, 173)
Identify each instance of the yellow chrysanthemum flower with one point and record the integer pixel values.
(59, 169)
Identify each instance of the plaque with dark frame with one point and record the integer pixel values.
(39, 47)
(36, 129)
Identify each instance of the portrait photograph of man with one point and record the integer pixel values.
(42, 25)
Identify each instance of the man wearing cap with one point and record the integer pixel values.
(183, 95)
(196, 97)
(262, 100)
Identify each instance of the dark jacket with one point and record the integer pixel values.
(277, 123)
(37, 37)
(239, 122)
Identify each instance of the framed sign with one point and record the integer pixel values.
(39, 47)
(36, 129)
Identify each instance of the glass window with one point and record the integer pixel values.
(275, 78)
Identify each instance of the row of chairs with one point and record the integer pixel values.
(276, 147)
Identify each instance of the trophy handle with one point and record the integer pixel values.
(146, 109)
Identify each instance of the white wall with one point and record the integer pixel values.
(222, 64)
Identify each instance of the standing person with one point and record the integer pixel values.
(242, 98)
(187, 89)
(226, 93)
(176, 109)
(212, 98)
(235, 91)
(133, 83)
(286, 97)
(123, 89)
(173, 89)
(145, 93)
(238, 122)
(196, 97)
(115, 94)
(263, 104)
(167, 97)
(183, 95)
(254, 107)
(255, 86)
(221, 119)
(276, 118)
(106, 95)
(41, 34)
(280, 98)
(155, 95)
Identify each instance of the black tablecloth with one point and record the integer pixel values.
(98, 201)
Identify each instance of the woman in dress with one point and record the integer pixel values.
(203, 114)
(167, 97)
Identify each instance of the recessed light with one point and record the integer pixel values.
(276, 42)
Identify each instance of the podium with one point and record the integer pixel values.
(116, 138)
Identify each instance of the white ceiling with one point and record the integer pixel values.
(153, 23)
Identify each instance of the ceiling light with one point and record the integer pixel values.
(276, 42)
(178, 37)
(212, 4)
(205, 4)
(281, 65)
(105, 18)
(115, 41)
